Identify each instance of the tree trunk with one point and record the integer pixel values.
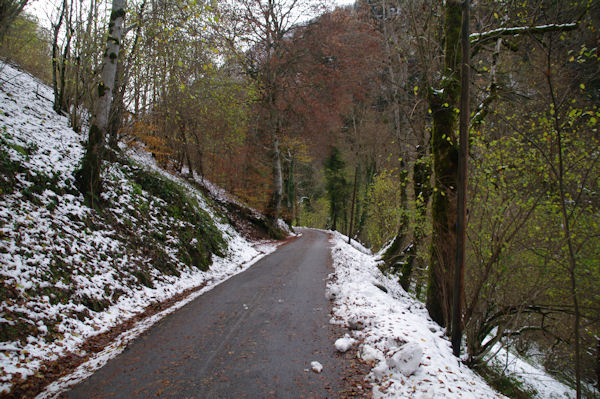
(76, 96)
(461, 235)
(364, 214)
(291, 190)
(60, 101)
(88, 177)
(188, 156)
(394, 256)
(9, 10)
(275, 205)
(55, 51)
(444, 149)
(598, 364)
(566, 227)
(422, 192)
(116, 108)
(351, 225)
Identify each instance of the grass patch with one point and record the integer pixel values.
(95, 304)
(9, 169)
(143, 278)
(505, 384)
(17, 328)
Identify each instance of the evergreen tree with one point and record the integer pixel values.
(336, 186)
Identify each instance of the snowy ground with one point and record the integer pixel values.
(66, 273)
(532, 375)
(409, 353)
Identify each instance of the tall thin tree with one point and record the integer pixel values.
(89, 176)
(463, 151)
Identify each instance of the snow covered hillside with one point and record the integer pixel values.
(70, 272)
(410, 356)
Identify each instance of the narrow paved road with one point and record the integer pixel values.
(254, 336)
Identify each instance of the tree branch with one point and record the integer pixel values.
(480, 38)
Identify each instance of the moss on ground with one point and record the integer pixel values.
(198, 237)
(164, 217)
(505, 384)
(9, 169)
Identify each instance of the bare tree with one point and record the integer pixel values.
(261, 27)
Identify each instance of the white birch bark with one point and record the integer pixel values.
(109, 64)
(89, 177)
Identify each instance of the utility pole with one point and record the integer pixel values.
(459, 269)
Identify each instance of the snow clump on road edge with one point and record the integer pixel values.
(316, 366)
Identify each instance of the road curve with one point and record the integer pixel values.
(253, 336)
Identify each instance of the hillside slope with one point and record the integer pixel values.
(70, 270)
(410, 355)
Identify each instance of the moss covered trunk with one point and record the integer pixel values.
(444, 148)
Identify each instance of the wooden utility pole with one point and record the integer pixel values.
(459, 270)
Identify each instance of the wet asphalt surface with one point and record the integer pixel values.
(253, 336)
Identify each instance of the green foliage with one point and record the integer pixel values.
(518, 255)
(27, 44)
(198, 237)
(385, 209)
(337, 186)
(505, 384)
(314, 213)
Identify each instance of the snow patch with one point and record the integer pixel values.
(407, 360)
(532, 375)
(409, 353)
(345, 343)
(316, 366)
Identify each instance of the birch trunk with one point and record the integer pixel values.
(88, 177)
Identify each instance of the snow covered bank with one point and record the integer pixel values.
(410, 356)
(409, 353)
(70, 272)
(531, 375)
